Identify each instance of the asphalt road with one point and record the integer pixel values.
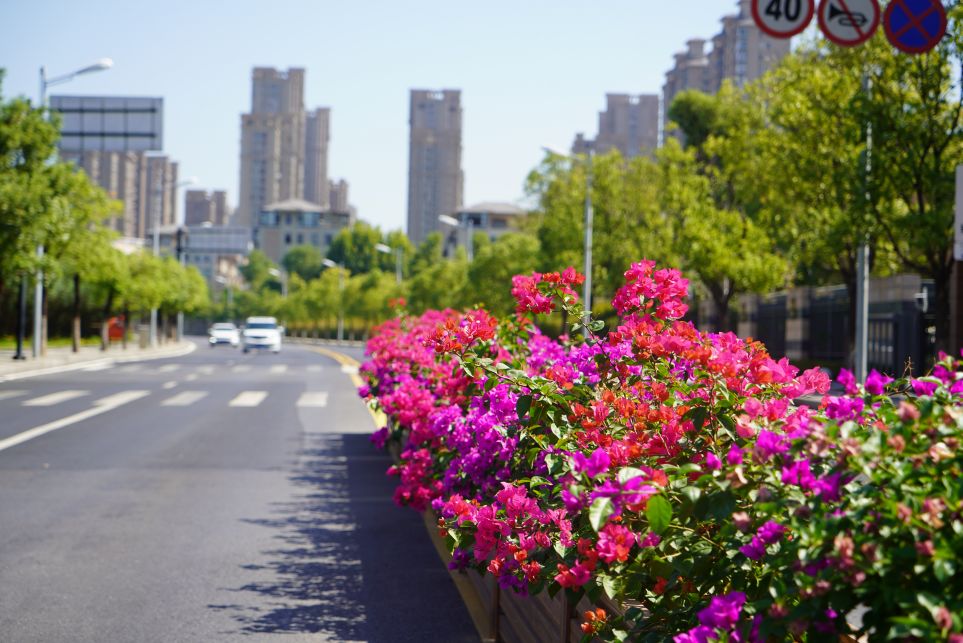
(214, 496)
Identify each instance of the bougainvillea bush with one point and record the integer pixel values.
(671, 471)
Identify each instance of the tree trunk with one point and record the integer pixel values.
(75, 331)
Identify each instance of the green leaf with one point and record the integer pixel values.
(522, 405)
(610, 586)
(599, 512)
(659, 513)
(944, 569)
(627, 473)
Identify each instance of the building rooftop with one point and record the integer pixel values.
(494, 207)
(293, 205)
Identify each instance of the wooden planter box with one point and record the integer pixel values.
(504, 616)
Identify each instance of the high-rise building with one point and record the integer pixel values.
(338, 195)
(201, 206)
(741, 53)
(317, 132)
(435, 179)
(283, 147)
(109, 137)
(629, 124)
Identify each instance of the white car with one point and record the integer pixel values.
(224, 333)
(261, 333)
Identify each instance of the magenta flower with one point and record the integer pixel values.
(593, 465)
(848, 380)
(712, 461)
(924, 388)
(876, 382)
(723, 611)
(735, 455)
(771, 532)
(755, 549)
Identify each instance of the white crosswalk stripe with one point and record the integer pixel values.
(168, 368)
(206, 369)
(130, 368)
(277, 369)
(241, 368)
(249, 398)
(6, 395)
(54, 398)
(184, 398)
(313, 398)
(314, 368)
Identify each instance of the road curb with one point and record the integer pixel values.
(189, 347)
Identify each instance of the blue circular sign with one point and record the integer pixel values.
(914, 26)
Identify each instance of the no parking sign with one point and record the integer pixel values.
(914, 26)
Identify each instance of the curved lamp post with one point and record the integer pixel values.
(100, 65)
(332, 264)
(191, 180)
(385, 248)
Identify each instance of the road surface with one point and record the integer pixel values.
(214, 496)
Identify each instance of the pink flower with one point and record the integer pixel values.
(712, 461)
(615, 543)
(594, 465)
(876, 382)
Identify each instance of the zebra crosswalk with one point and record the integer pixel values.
(182, 370)
(166, 397)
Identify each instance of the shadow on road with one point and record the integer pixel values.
(349, 564)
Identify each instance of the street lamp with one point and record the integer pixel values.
(156, 238)
(587, 292)
(469, 232)
(100, 65)
(382, 247)
(332, 264)
(230, 294)
(283, 276)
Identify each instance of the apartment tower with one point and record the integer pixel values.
(283, 148)
(435, 179)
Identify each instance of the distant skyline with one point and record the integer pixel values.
(531, 76)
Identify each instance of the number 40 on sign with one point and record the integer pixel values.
(783, 18)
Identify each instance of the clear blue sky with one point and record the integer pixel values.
(532, 74)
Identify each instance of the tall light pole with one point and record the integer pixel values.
(385, 248)
(100, 65)
(281, 274)
(331, 264)
(156, 238)
(469, 232)
(587, 292)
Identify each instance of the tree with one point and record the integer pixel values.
(489, 277)
(304, 261)
(354, 248)
(27, 142)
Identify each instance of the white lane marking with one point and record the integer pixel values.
(241, 368)
(191, 377)
(99, 367)
(313, 398)
(249, 398)
(207, 369)
(350, 370)
(54, 398)
(168, 368)
(277, 369)
(6, 395)
(184, 398)
(314, 368)
(100, 406)
(170, 385)
(131, 368)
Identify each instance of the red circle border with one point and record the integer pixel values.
(840, 41)
(887, 28)
(783, 34)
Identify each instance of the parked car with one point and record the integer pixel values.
(224, 333)
(262, 333)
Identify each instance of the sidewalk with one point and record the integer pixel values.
(58, 360)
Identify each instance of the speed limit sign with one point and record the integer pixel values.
(783, 18)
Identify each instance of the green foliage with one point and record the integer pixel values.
(304, 261)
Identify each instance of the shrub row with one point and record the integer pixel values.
(671, 470)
